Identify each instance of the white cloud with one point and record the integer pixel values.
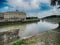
(31, 4)
(26, 5)
(53, 11)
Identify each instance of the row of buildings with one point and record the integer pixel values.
(13, 15)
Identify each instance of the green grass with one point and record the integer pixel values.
(21, 42)
(24, 42)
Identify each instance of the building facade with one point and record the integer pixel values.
(13, 15)
(1, 16)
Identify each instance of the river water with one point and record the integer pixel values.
(29, 29)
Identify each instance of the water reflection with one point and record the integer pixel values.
(33, 29)
(25, 30)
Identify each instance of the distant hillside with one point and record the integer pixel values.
(52, 16)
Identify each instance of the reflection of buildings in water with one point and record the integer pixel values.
(21, 27)
(10, 33)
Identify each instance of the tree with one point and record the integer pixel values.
(53, 2)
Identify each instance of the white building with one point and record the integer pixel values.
(13, 15)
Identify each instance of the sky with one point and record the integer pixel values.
(40, 8)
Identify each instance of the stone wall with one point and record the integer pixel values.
(9, 36)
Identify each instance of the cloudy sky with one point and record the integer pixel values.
(40, 8)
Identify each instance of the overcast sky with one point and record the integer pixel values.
(40, 8)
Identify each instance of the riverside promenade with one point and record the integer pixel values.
(18, 20)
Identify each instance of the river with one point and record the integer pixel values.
(26, 30)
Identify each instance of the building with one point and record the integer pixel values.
(1, 16)
(13, 15)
